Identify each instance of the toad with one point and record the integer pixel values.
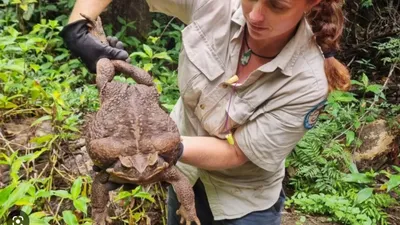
(129, 134)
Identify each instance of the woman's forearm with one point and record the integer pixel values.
(211, 153)
(90, 8)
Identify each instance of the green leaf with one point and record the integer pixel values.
(18, 193)
(61, 57)
(153, 39)
(32, 156)
(5, 193)
(36, 221)
(357, 83)
(40, 120)
(393, 182)
(396, 168)
(57, 97)
(35, 67)
(353, 168)
(42, 139)
(357, 178)
(350, 135)
(339, 96)
(148, 50)
(375, 88)
(145, 195)
(76, 188)
(69, 218)
(141, 54)
(357, 124)
(61, 194)
(13, 32)
(42, 194)
(38, 215)
(9, 105)
(363, 195)
(29, 12)
(80, 204)
(121, 20)
(51, 8)
(27, 200)
(122, 195)
(148, 66)
(15, 67)
(162, 55)
(15, 166)
(365, 80)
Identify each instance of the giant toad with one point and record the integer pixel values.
(129, 133)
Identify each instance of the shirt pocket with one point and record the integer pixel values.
(199, 65)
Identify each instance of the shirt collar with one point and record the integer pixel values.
(286, 59)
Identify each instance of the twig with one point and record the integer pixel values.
(165, 29)
(58, 208)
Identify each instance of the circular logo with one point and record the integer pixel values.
(17, 217)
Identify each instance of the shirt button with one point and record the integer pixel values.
(202, 106)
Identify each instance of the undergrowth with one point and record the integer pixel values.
(39, 79)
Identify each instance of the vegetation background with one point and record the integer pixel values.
(346, 170)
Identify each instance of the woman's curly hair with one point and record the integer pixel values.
(327, 22)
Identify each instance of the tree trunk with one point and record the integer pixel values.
(136, 10)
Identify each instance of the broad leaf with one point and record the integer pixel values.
(364, 194)
(76, 188)
(393, 182)
(69, 218)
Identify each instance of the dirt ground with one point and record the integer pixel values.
(294, 219)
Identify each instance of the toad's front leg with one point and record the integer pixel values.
(184, 192)
(105, 151)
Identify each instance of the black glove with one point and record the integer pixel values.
(110, 186)
(167, 158)
(84, 45)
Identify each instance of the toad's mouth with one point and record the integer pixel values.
(118, 171)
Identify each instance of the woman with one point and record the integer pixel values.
(253, 76)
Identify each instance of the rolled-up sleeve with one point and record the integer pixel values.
(182, 9)
(268, 139)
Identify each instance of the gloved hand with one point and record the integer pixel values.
(110, 186)
(84, 45)
(169, 159)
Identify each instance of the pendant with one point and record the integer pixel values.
(246, 57)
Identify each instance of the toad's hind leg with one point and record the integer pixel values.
(99, 199)
(184, 192)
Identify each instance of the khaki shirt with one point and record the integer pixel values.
(267, 111)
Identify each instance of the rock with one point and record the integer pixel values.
(4, 175)
(19, 133)
(16, 136)
(79, 164)
(377, 146)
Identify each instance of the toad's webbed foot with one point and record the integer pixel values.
(187, 217)
(184, 192)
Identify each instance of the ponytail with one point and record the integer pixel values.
(326, 20)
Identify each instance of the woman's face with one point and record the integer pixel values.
(274, 18)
